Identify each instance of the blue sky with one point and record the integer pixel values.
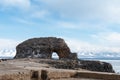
(84, 24)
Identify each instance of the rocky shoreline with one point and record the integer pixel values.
(42, 69)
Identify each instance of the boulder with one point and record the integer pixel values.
(42, 48)
(96, 66)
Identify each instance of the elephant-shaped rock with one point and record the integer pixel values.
(43, 48)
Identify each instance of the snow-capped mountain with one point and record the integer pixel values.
(10, 53)
(7, 53)
(99, 54)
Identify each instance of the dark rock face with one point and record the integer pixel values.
(73, 56)
(42, 48)
(96, 66)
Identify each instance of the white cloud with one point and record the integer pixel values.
(85, 26)
(104, 10)
(82, 10)
(40, 14)
(23, 21)
(111, 39)
(22, 4)
(77, 45)
(67, 25)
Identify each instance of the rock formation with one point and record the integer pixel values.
(96, 66)
(43, 48)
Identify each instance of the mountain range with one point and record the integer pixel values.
(10, 53)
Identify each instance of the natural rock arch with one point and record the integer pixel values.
(43, 48)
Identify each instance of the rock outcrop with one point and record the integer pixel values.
(43, 48)
(80, 64)
(96, 66)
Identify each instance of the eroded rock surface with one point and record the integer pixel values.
(96, 66)
(42, 48)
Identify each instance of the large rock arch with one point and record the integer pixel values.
(42, 48)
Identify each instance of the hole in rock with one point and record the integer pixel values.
(55, 55)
